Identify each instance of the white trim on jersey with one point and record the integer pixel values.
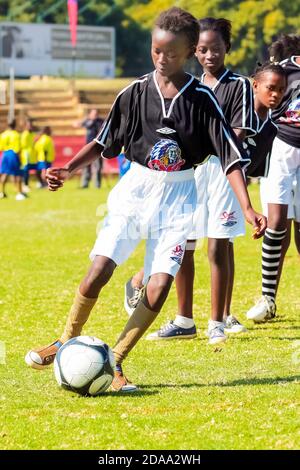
(168, 114)
(293, 59)
(104, 131)
(210, 93)
(243, 79)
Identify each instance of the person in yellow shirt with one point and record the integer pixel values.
(10, 163)
(45, 153)
(28, 154)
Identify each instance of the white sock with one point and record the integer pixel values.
(215, 324)
(183, 322)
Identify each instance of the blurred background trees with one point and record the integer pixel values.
(255, 24)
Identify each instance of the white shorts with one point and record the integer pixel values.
(154, 205)
(284, 170)
(218, 213)
(294, 202)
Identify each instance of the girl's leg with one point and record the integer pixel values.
(3, 180)
(218, 255)
(98, 275)
(229, 291)
(143, 316)
(18, 184)
(284, 248)
(183, 327)
(273, 251)
(185, 282)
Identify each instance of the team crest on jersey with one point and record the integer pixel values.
(166, 156)
(293, 113)
(166, 130)
(228, 218)
(177, 254)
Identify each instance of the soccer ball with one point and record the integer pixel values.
(84, 365)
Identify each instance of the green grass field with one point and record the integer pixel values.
(243, 397)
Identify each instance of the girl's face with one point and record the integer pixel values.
(269, 89)
(211, 51)
(169, 52)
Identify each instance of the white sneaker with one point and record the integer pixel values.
(20, 197)
(2, 195)
(215, 332)
(263, 310)
(232, 325)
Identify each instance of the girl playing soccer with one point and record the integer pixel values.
(156, 197)
(219, 215)
(283, 171)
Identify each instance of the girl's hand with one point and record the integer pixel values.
(258, 221)
(55, 178)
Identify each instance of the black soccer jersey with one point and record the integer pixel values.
(259, 147)
(234, 93)
(287, 115)
(169, 140)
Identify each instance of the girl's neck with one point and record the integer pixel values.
(214, 75)
(261, 109)
(170, 86)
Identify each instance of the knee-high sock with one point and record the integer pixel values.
(78, 316)
(271, 253)
(136, 326)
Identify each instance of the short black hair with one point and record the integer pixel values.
(220, 25)
(178, 21)
(284, 47)
(267, 67)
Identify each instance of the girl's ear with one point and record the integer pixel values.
(254, 85)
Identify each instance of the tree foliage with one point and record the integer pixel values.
(255, 24)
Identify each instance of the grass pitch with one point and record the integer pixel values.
(245, 396)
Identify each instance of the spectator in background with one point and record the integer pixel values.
(10, 163)
(92, 124)
(44, 148)
(28, 154)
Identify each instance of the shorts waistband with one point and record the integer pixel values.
(161, 176)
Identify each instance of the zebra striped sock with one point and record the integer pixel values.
(271, 252)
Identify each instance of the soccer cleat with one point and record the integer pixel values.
(120, 383)
(133, 295)
(3, 195)
(232, 325)
(216, 333)
(172, 331)
(263, 310)
(25, 189)
(42, 357)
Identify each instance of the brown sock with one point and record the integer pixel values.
(136, 326)
(78, 316)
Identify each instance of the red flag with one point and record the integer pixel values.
(73, 17)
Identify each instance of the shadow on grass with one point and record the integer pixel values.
(233, 383)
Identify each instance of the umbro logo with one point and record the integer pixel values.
(166, 130)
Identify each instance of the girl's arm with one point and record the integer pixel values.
(89, 153)
(236, 179)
